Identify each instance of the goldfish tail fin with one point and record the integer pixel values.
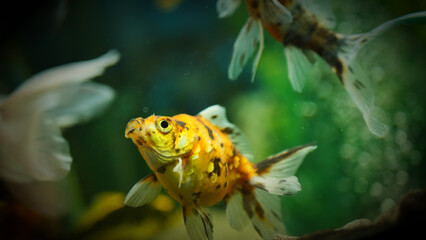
(249, 38)
(198, 223)
(263, 210)
(276, 173)
(143, 192)
(226, 8)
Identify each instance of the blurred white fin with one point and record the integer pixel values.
(275, 12)
(322, 11)
(70, 73)
(198, 223)
(226, 8)
(357, 84)
(32, 118)
(143, 192)
(276, 173)
(249, 38)
(353, 43)
(300, 69)
(216, 115)
(237, 217)
(179, 170)
(264, 210)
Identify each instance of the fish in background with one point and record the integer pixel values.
(203, 159)
(34, 156)
(302, 26)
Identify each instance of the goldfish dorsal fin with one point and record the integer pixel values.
(226, 8)
(143, 192)
(217, 116)
(275, 12)
(198, 223)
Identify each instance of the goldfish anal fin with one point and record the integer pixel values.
(217, 116)
(143, 192)
(226, 8)
(276, 173)
(264, 211)
(300, 69)
(237, 217)
(249, 38)
(198, 223)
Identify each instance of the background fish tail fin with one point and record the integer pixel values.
(198, 223)
(276, 173)
(354, 43)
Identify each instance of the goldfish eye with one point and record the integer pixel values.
(164, 125)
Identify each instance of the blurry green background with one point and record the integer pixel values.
(175, 59)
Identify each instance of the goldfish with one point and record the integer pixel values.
(34, 156)
(303, 28)
(203, 159)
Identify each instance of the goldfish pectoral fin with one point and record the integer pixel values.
(359, 88)
(217, 116)
(276, 173)
(237, 217)
(143, 192)
(264, 211)
(226, 8)
(275, 12)
(247, 41)
(300, 69)
(198, 223)
(179, 170)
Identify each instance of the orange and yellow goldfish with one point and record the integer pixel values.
(203, 159)
(302, 27)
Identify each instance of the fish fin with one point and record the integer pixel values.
(300, 68)
(226, 8)
(143, 192)
(322, 11)
(353, 43)
(275, 13)
(237, 217)
(355, 81)
(76, 72)
(198, 223)
(264, 211)
(359, 88)
(217, 116)
(276, 173)
(34, 115)
(250, 36)
(179, 170)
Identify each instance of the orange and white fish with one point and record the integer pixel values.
(303, 28)
(203, 159)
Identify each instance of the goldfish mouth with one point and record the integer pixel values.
(133, 126)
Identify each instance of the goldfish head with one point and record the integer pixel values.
(160, 138)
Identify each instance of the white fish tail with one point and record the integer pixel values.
(258, 200)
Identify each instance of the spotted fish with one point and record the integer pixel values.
(203, 159)
(302, 26)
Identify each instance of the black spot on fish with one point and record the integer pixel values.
(227, 130)
(180, 123)
(181, 198)
(257, 230)
(161, 169)
(255, 4)
(225, 185)
(221, 145)
(213, 117)
(259, 211)
(350, 69)
(242, 58)
(276, 215)
(358, 84)
(197, 138)
(139, 141)
(208, 129)
(364, 40)
(218, 186)
(131, 131)
(196, 195)
(216, 169)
